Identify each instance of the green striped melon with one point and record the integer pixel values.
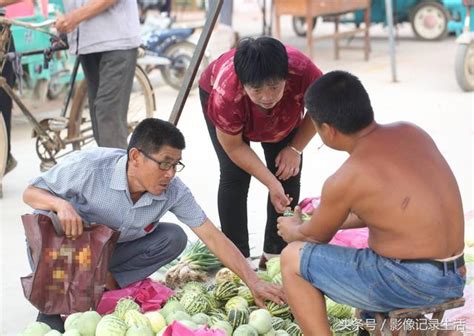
(236, 302)
(214, 303)
(200, 318)
(245, 330)
(225, 290)
(137, 319)
(177, 316)
(253, 308)
(277, 279)
(124, 305)
(217, 317)
(195, 286)
(171, 307)
(282, 311)
(111, 325)
(293, 330)
(263, 275)
(195, 302)
(237, 317)
(216, 311)
(175, 297)
(246, 293)
(277, 323)
(223, 326)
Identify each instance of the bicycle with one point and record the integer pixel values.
(73, 127)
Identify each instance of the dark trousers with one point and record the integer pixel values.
(137, 259)
(233, 191)
(5, 100)
(109, 77)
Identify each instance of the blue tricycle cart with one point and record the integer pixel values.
(430, 19)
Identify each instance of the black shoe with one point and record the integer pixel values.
(54, 321)
(262, 264)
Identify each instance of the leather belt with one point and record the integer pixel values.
(442, 265)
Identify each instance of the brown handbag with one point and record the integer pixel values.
(69, 275)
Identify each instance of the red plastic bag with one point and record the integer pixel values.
(177, 329)
(149, 294)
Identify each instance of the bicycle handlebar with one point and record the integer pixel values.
(57, 42)
(34, 26)
(55, 47)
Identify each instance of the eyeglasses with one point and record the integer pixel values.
(163, 165)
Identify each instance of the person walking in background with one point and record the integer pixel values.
(105, 35)
(254, 93)
(5, 100)
(227, 11)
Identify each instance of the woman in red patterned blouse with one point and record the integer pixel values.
(255, 94)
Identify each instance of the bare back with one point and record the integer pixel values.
(405, 192)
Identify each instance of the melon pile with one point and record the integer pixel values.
(223, 302)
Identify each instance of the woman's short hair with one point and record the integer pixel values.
(261, 60)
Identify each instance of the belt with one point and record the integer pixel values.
(442, 265)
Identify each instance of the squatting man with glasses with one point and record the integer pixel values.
(130, 191)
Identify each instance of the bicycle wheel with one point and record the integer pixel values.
(3, 151)
(142, 105)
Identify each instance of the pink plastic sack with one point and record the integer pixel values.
(309, 204)
(356, 238)
(463, 317)
(177, 329)
(149, 294)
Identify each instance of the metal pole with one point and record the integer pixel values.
(195, 61)
(391, 39)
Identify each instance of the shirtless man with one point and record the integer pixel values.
(395, 182)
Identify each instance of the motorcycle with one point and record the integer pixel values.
(168, 49)
(464, 62)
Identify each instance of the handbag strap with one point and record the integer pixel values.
(56, 222)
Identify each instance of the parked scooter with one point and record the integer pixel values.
(464, 64)
(168, 49)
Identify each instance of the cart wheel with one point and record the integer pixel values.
(464, 66)
(299, 25)
(429, 21)
(45, 148)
